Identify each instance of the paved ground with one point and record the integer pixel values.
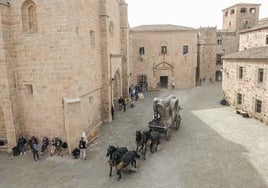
(214, 147)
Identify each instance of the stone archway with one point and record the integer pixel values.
(2, 124)
(117, 89)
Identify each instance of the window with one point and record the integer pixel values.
(163, 49)
(258, 106)
(230, 23)
(29, 19)
(28, 90)
(92, 38)
(240, 72)
(226, 13)
(185, 49)
(260, 75)
(239, 98)
(266, 39)
(141, 51)
(111, 28)
(219, 41)
(218, 59)
(232, 11)
(243, 10)
(252, 10)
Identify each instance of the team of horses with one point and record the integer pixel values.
(121, 157)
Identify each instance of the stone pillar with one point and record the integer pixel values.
(73, 122)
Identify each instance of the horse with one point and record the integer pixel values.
(115, 154)
(127, 158)
(150, 139)
(139, 141)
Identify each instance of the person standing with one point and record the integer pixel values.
(112, 111)
(21, 144)
(124, 104)
(45, 142)
(35, 150)
(58, 144)
(82, 147)
(173, 84)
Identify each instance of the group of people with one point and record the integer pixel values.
(56, 146)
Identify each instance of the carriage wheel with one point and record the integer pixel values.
(168, 135)
(178, 122)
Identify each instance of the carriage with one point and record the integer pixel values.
(168, 108)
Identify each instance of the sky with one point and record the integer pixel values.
(191, 13)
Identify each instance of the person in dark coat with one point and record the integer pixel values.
(82, 147)
(45, 143)
(35, 150)
(21, 144)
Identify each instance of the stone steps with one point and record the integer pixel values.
(4, 147)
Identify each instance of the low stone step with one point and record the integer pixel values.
(3, 148)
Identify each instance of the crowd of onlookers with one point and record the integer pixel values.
(56, 146)
(33, 145)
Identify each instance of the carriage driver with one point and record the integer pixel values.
(156, 117)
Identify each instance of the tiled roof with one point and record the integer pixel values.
(257, 27)
(253, 53)
(164, 27)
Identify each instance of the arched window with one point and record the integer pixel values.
(252, 10)
(111, 28)
(243, 10)
(29, 20)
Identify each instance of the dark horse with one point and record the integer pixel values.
(127, 158)
(115, 154)
(150, 139)
(139, 141)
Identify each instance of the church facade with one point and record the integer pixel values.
(63, 63)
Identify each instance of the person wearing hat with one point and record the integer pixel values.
(82, 147)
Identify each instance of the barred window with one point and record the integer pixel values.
(260, 75)
(239, 98)
(258, 106)
(240, 72)
(218, 59)
(163, 49)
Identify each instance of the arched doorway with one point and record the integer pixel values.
(2, 124)
(117, 91)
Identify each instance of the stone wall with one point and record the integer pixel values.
(253, 38)
(61, 53)
(248, 86)
(8, 87)
(174, 64)
(207, 44)
(235, 19)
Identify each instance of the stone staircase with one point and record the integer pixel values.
(3, 147)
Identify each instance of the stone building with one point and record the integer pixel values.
(161, 54)
(245, 81)
(213, 44)
(63, 63)
(245, 73)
